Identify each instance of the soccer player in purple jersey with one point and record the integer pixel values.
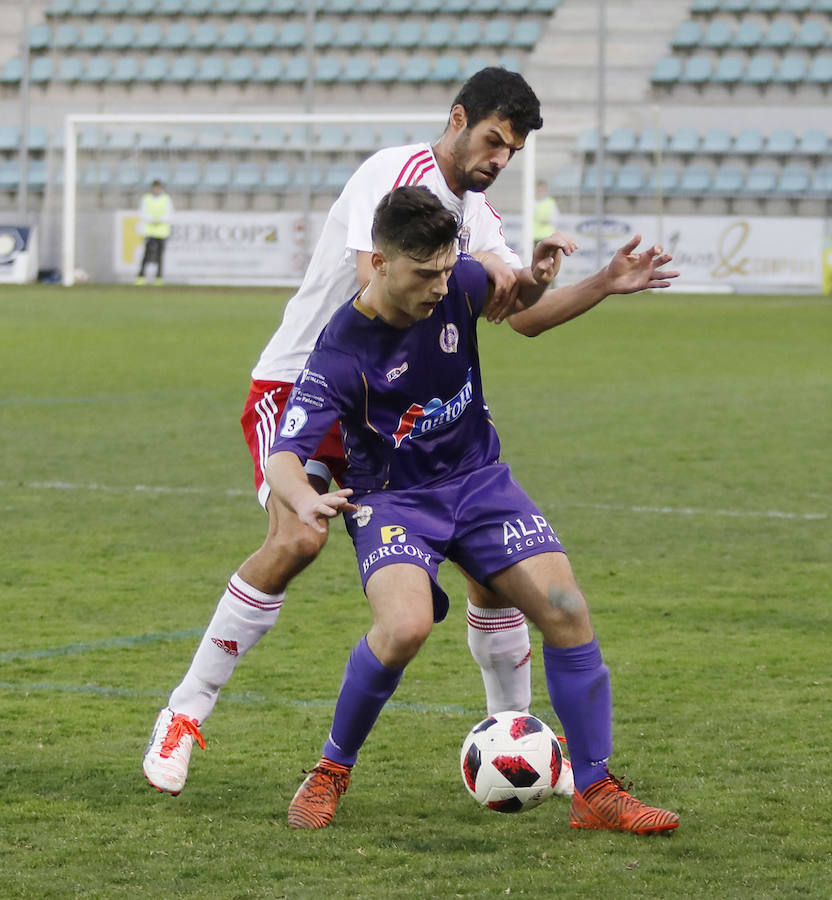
(398, 366)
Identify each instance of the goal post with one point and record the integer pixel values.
(74, 123)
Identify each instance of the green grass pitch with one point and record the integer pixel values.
(679, 444)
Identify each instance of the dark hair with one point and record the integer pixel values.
(411, 220)
(507, 94)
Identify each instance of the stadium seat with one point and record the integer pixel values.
(823, 6)
(40, 70)
(694, 181)
(151, 140)
(97, 70)
(423, 133)
(398, 8)
(176, 37)
(466, 35)
(122, 36)
(748, 35)
(269, 70)
(276, 176)
(392, 135)
(246, 177)
(793, 181)
(323, 34)
(813, 142)
(65, 36)
(87, 8)
(216, 178)
(234, 36)
(198, 8)
(437, 34)
(12, 71)
(810, 36)
(780, 34)
(526, 34)
(760, 71)
(37, 175)
(769, 7)
(356, 70)
(749, 142)
(121, 139)
(683, 141)
(210, 137)
(170, 7)
(821, 183)
(718, 35)
(141, 9)
(485, 7)
(386, 69)
(589, 184)
(761, 180)
(379, 35)
(628, 180)
(69, 70)
(9, 137)
(186, 176)
(154, 70)
(272, 136)
(264, 36)
(350, 34)
(445, 69)
(727, 181)
(792, 70)
(336, 176)
(149, 36)
(820, 70)
(416, 69)
(125, 70)
(369, 7)
(37, 138)
(621, 141)
(362, 137)
(183, 69)
(327, 69)
(729, 69)
(799, 7)
(474, 64)
(255, 7)
(92, 37)
(58, 8)
(663, 179)
(408, 34)
(697, 70)
(95, 176)
(688, 36)
(206, 36)
(39, 37)
(296, 70)
(129, 176)
(705, 7)
(211, 70)
(738, 7)
(717, 141)
(428, 7)
(239, 70)
(496, 33)
(226, 7)
(781, 142)
(667, 71)
(309, 177)
(241, 137)
(650, 140)
(114, 8)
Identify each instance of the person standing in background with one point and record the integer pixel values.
(156, 211)
(546, 213)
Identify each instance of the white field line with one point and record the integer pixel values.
(236, 492)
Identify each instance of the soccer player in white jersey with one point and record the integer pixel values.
(489, 121)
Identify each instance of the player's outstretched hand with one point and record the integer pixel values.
(548, 255)
(629, 271)
(325, 506)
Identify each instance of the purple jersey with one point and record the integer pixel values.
(409, 400)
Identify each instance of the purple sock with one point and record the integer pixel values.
(366, 687)
(579, 688)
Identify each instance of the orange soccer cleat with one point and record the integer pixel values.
(313, 805)
(607, 805)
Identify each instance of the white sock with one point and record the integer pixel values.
(241, 618)
(499, 642)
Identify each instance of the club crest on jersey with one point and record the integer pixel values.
(362, 515)
(419, 420)
(449, 338)
(396, 371)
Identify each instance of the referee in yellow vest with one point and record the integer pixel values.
(546, 213)
(156, 211)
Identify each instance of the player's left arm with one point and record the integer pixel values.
(627, 273)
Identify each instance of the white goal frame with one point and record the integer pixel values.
(74, 121)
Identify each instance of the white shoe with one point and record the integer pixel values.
(168, 754)
(565, 785)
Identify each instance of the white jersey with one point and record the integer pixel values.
(331, 279)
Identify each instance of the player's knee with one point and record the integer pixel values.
(301, 544)
(565, 607)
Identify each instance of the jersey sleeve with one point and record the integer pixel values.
(486, 228)
(472, 278)
(316, 401)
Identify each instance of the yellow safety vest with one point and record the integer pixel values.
(156, 208)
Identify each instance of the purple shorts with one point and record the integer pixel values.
(484, 521)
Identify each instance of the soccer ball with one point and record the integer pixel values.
(511, 762)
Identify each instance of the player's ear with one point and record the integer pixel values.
(458, 117)
(379, 262)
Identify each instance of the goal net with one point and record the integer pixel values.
(250, 191)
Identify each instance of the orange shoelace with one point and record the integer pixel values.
(180, 726)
